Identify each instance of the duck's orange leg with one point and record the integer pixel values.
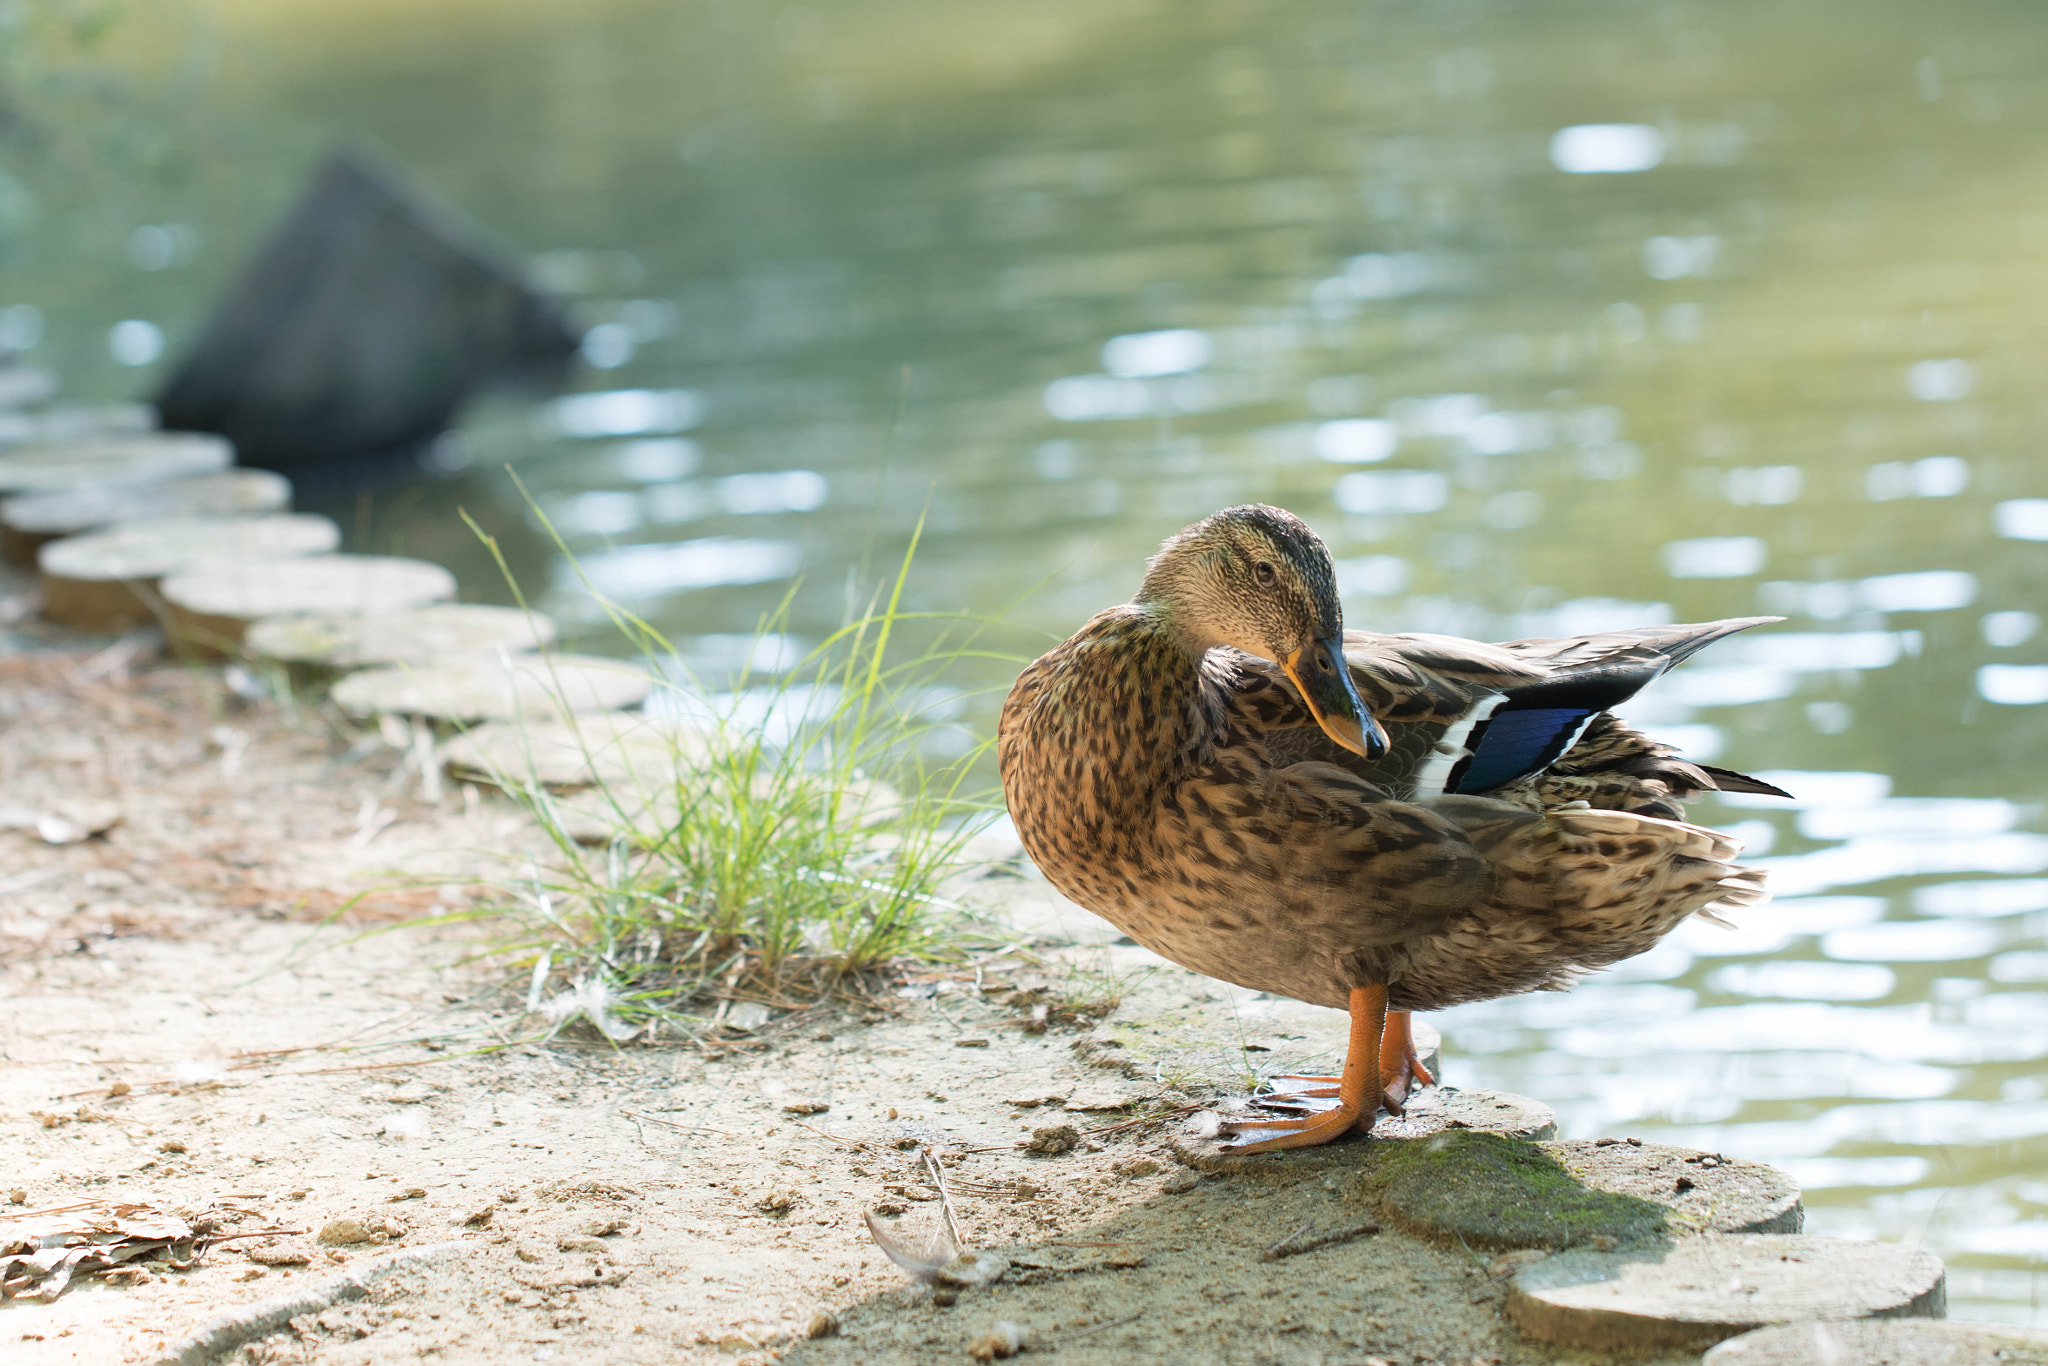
(1400, 1068)
(1358, 1087)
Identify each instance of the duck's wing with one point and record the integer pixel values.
(1421, 688)
(1563, 726)
(1465, 717)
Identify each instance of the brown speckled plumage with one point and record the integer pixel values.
(1182, 789)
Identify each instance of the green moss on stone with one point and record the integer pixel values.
(1492, 1191)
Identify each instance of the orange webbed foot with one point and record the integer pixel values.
(1312, 1095)
(1273, 1135)
(1330, 1107)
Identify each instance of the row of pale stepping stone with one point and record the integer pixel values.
(1639, 1249)
(130, 527)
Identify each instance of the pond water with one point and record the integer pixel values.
(1550, 319)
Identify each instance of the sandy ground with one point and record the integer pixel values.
(185, 1026)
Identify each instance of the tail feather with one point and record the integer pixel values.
(1695, 864)
(1576, 889)
(1728, 780)
(1740, 891)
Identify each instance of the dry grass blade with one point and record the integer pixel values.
(26, 1215)
(847, 1143)
(1285, 1245)
(1100, 1327)
(1294, 1244)
(938, 1172)
(1100, 1242)
(1143, 1120)
(671, 1124)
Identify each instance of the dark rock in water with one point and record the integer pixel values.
(361, 328)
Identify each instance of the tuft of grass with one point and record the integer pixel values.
(775, 842)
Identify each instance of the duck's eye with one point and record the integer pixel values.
(1265, 574)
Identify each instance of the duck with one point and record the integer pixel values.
(1382, 824)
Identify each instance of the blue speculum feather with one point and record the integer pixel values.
(1518, 742)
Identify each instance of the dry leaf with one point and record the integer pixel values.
(41, 1251)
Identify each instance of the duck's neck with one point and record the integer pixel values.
(1162, 629)
(1162, 599)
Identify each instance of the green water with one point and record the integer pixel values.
(875, 260)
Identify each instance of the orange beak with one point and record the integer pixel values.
(1333, 698)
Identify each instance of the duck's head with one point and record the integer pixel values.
(1256, 578)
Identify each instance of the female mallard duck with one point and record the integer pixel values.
(1376, 823)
